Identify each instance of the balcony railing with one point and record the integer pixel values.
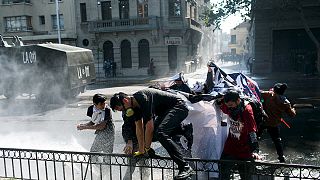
(59, 165)
(15, 1)
(193, 23)
(124, 24)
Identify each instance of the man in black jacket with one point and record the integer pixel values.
(170, 111)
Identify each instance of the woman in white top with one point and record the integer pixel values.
(101, 121)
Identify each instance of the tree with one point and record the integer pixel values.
(217, 12)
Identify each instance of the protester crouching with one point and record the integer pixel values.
(180, 84)
(129, 136)
(169, 109)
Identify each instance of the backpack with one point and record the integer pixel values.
(260, 116)
(107, 114)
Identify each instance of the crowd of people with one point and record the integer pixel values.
(158, 114)
(110, 68)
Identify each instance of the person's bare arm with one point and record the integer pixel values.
(91, 125)
(140, 135)
(149, 133)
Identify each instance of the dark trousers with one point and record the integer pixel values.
(274, 133)
(114, 73)
(226, 167)
(250, 68)
(165, 127)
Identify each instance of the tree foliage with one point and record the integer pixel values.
(217, 12)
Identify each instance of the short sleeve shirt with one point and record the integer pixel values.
(99, 116)
(155, 102)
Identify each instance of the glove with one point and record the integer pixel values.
(138, 154)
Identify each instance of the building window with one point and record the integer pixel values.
(174, 8)
(124, 9)
(55, 0)
(144, 53)
(108, 51)
(18, 23)
(233, 39)
(42, 20)
(233, 51)
(142, 8)
(54, 22)
(126, 61)
(106, 10)
(15, 1)
(83, 12)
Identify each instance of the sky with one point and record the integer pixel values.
(230, 22)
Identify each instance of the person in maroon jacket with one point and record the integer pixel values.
(242, 143)
(276, 105)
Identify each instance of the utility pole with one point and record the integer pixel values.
(58, 21)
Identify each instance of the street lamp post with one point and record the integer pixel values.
(58, 21)
(98, 5)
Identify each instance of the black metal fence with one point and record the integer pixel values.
(64, 165)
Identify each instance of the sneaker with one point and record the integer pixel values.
(188, 134)
(282, 159)
(184, 173)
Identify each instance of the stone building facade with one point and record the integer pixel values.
(131, 32)
(36, 21)
(127, 32)
(239, 39)
(281, 42)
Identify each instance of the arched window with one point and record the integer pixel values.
(126, 61)
(144, 53)
(108, 51)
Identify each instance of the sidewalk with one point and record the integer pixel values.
(301, 89)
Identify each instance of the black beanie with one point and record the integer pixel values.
(280, 88)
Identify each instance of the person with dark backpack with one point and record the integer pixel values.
(242, 143)
(260, 116)
(101, 122)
